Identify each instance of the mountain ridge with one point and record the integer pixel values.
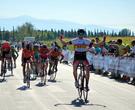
(48, 24)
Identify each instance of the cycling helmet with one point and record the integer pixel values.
(81, 32)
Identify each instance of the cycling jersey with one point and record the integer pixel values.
(80, 45)
(43, 52)
(27, 53)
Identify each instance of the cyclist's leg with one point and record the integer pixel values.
(10, 61)
(2, 62)
(46, 66)
(56, 64)
(75, 64)
(24, 60)
(14, 60)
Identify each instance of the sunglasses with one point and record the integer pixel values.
(81, 34)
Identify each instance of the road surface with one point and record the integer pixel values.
(105, 93)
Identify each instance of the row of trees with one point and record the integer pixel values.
(28, 29)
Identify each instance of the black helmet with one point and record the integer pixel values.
(81, 32)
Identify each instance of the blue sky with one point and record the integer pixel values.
(114, 13)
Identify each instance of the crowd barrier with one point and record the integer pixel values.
(120, 65)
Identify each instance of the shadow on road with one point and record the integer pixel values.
(40, 85)
(80, 103)
(3, 80)
(23, 88)
(53, 81)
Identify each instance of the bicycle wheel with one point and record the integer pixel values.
(80, 88)
(45, 77)
(53, 73)
(28, 79)
(85, 91)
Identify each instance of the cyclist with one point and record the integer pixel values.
(6, 53)
(43, 60)
(80, 45)
(54, 55)
(27, 55)
(14, 55)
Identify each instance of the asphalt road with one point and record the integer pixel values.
(105, 93)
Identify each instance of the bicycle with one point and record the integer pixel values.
(82, 89)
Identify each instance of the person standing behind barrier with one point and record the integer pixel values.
(121, 48)
(101, 47)
(132, 53)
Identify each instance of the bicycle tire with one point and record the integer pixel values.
(45, 77)
(80, 86)
(28, 79)
(85, 91)
(53, 73)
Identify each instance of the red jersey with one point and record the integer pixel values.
(43, 52)
(27, 53)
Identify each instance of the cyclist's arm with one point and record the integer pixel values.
(64, 42)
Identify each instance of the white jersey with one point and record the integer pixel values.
(80, 45)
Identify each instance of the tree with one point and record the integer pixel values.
(26, 29)
(133, 34)
(125, 32)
